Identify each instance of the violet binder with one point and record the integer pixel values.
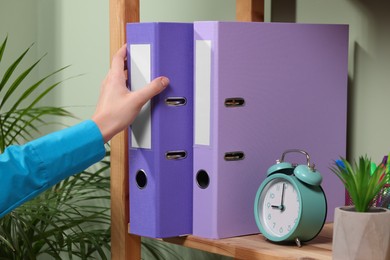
(262, 88)
(161, 137)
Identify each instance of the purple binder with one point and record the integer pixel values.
(260, 89)
(161, 138)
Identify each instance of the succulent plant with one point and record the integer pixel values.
(362, 179)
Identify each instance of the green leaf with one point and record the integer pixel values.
(17, 82)
(6, 242)
(361, 183)
(12, 68)
(27, 93)
(2, 48)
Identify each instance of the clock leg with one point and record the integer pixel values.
(298, 242)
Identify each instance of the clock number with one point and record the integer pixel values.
(281, 230)
(269, 216)
(272, 195)
(274, 224)
(268, 205)
(289, 228)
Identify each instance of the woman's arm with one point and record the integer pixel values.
(27, 170)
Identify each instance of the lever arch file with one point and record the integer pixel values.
(262, 88)
(161, 138)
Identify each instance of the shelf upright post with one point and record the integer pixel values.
(123, 245)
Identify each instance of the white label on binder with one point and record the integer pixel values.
(140, 75)
(202, 91)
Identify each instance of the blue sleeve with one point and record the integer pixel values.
(27, 170)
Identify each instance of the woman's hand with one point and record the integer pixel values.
(118, 106)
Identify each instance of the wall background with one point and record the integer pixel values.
(369, 64)
(72, 33)
(76, 33)
(369, 67)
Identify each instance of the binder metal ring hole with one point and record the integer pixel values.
(175, 155)
(202, 179)
(234, 102)
(234, 156)
(141, 179)
(175, 101)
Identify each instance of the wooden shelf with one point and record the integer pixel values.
(257, 247)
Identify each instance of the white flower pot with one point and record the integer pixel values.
(361, 235)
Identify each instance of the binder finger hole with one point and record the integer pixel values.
(176, 101)
(234, 156)
(202, 179)
(234, 102)
(141, 179)
(176, 155)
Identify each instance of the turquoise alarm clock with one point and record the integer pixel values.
(290, 205)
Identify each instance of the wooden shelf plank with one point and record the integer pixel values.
(257, 247)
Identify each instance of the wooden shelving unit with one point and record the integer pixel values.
(126, 246)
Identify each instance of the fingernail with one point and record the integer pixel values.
(164, 81)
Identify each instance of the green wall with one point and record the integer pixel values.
(21, 33)
(71, 32)
(187, 10)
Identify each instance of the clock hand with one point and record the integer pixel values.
(282, 199)
(281, 206)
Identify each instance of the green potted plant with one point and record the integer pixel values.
(362, 231)
(70, 219)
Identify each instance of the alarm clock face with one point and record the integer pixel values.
(279, 208)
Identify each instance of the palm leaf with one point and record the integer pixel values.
(17, 82)
(30, 89)
(19, 123)
(2, 48)
(13, 66)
